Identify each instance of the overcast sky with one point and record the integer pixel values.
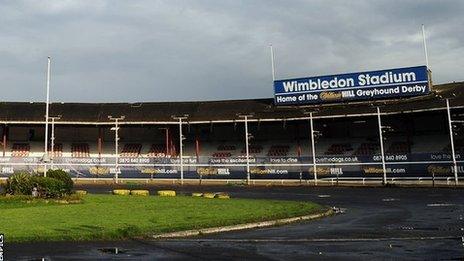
(128, 51)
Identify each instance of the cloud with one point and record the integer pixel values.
(108, 51)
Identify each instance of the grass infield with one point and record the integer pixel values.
(107, 217)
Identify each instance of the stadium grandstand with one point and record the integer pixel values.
(416, 138)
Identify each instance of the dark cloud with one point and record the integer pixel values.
(205, 50)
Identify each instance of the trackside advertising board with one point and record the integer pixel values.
(384, 84)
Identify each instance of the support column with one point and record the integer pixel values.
(52, 139)
(313, 147)
(247, 137)
(247, 144)
(450, 125)
(52, 143)
(116, 144)
(116, 149)
(5, 133)
(181, 149)
(381, 147)
(181, 137)
(197, 148)
(197, 152)
(168, 151)
(100, 141)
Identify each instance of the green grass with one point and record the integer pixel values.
(101, 217)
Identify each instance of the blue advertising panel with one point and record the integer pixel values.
(392, 83)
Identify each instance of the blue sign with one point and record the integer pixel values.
(392, 83)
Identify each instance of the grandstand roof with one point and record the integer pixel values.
(205, 111)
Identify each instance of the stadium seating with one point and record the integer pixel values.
(80, 150)
(398, 148)
(222, 155)
(253, 149)
(157, 151)
(131, 150)
(57, 150)
(366, 149)
(338, 149)
(280, 148)
(20, 150)
(223, 147)
(223, 151)
(278, 151)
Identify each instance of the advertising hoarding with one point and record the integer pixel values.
(383, 84)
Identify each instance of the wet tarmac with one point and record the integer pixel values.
(376, 223)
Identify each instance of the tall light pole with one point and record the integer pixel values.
(116, 143)
(272, 62)
(450, 125)
(47, 103)
(247, 145)
(425, 47)
(52, 145)
(181, 151)
(381, 147)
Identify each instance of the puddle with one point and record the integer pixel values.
(112, 250)
(396, 246)
(440, 205)
(389, 199)
(367, 253)
(419, 228)
(427, 228)
(406, 228)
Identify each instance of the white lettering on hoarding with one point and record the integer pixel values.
(388, 77)
(295, 86)
(389, 91)
(336, 82)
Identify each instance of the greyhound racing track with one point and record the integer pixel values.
(386, 223)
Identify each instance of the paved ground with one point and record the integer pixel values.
(379, 223)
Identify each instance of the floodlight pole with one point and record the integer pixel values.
(47, 103)
(181, 151)
(425, 46)
(247, 146)
(450, 125)
(313, 147)
(116, 144)
(381, 147)
(272, 62)
(53, 139)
